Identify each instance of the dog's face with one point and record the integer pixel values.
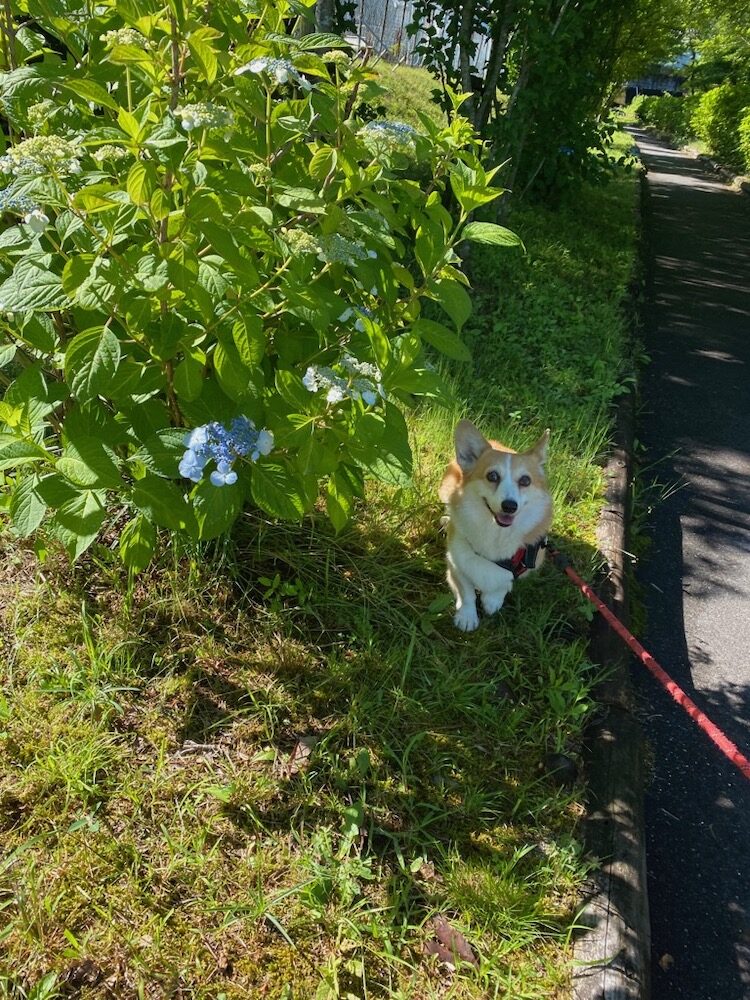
(512, 486)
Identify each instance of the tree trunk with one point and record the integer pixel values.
(496, 64)
(325, 15)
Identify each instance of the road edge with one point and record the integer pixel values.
(612, 950)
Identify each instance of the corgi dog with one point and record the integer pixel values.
(499, 511)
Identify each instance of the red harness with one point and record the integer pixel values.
(524, 559)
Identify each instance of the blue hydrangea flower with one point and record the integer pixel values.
(12, 202)
(223, 445)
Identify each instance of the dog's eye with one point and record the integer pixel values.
(524, 481)
(493, 477)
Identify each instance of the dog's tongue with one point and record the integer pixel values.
(504, 520)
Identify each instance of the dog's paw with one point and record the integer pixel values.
(493, 602)
(466, 619)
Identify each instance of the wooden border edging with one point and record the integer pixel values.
(613, 950)
(612, 954)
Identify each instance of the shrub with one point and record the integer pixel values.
(668, 114)
(213, 276)
(716, 120)
(744, 140)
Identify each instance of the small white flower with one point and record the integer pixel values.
(335, 394)
(310, 379)
(197, 437)
(204, 114)
(282, 71)
(37, 221)
(264, 444)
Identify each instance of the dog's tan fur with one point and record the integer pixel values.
(479, 532)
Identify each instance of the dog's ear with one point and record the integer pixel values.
(540, 448)
(470, 444)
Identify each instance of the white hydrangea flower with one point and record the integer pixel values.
(125, 36)
(41, 154)
(300, 242)
(337, 389)
(109, 152)
(336, 249)
(336, 394)
(387, 137)
(203, 115)
(263, 445)
(39, 113)
(337, 57)
(36, 220)
(280, 70)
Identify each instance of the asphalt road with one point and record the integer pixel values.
(695, 426)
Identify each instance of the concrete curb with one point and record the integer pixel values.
(612, 953)
(739, 182)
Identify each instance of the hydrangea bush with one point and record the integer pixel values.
(212, 276)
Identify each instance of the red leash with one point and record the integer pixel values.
(711, 730)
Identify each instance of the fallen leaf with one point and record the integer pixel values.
(299, 758)
(82, 973)
(451, 947)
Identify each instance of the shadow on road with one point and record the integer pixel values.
(696, 430)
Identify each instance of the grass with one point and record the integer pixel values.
(263, 768)
(409, 90)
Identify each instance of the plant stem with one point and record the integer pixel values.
(176, 74)
(10, 34)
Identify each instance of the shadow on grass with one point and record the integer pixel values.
(443, 740)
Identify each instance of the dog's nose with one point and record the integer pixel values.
(509, 506)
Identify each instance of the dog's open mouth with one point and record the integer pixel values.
(503, 520)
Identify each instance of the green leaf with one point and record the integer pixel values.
(234, 378)
(265, 215)
(78, 521)
(292, 390)
(216, 508)
(488, 232)
(321, 40)
(32, 286)
(91, 282)
(162, 451)
(163, 503)
(188, 376)
(429, 246)
(141, 182)
(277, 492)
(390, 460)
(90, 91)
(443, 339)
(322, 162)
(7, 354)
(91, 360)
(221, 240)
(14, 452)
(137, 543)
(27, 509)
(454, 299)
(54, 490)
(89, 463)
(339, 501)
(249, 339)
(204, 56)
(96, 198)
